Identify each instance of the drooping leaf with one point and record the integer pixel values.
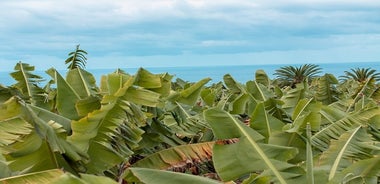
(191, 94)
(148, 80)
(11, 130)
(46, 116)
(114, 130)
(183, 123)
(262, 78)
(94, 134)
(166, 82)
(232, 84)
(42, 143)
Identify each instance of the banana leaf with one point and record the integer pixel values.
(265, 123)
(82, 82)
(178, 156)
(66, 97)
(355, 144)
(153, 176)
(262, 78)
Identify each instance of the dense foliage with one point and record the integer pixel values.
(147, 128)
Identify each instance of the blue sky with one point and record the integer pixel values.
(160, 33)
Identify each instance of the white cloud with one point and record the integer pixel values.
(135, 28)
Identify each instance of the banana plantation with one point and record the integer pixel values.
(301, 127)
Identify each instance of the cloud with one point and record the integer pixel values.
(142, 28)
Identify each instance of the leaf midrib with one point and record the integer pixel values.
(259, 151)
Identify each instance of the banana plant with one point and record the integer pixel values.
(237, 145)
(35, 140)
(115, 129)
(27, 84)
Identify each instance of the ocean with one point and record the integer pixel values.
(241, 73)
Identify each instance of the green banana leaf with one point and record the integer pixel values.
(230, 160)
(258, 91)
(94, 133)
(362, 171)
(306, 111)
(38, 144)
(153, 176)
(56, 176)
(148, 80)
(110, 134)
(339, 123)
(66, 97)
(68, 178)
(355, 144)
(326, 92)
(239, 104)
(82, 82)
(42, 177)
(291, 97)
(46, 116)
(183, 123)
(211, 95)
(27, 84)
(262, 78)
(191, 94)
(234, 86)
(265, 123)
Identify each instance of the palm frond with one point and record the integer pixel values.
(361, 75)
(77, 59)
(295, 75)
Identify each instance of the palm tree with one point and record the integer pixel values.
(290, 75)
(361, 75)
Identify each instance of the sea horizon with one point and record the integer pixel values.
(241, 73)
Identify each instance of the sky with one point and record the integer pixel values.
(167, 33)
